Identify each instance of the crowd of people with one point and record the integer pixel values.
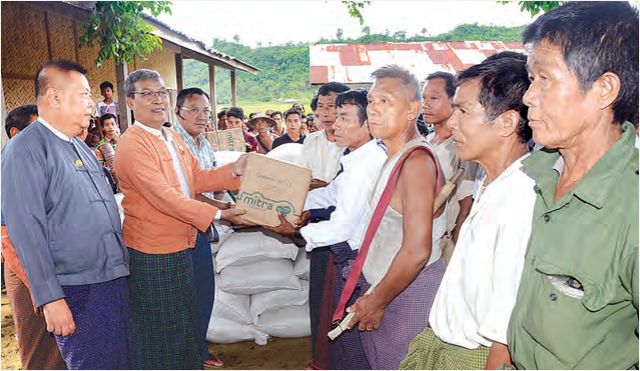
(501, 233)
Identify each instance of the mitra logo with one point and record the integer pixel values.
(257, 200)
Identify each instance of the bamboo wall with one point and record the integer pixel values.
(30, 36)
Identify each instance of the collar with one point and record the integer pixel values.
(55, 131)
(156, 132)
(362, 153)
(186, 136)
(545, 166)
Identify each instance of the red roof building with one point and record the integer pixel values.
(353, 63)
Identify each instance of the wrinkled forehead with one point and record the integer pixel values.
(391, 86)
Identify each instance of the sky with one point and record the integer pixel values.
(282, 21)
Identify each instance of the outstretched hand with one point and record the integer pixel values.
(285, 228)
(240, 164)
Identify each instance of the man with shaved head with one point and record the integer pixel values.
(67, 232)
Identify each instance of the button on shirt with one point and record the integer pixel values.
(349, 192)
(203, 152)
(577, 306)
(167, 138)
(478, 290)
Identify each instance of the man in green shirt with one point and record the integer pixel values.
(577, 305)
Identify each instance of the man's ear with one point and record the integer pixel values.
(414, 110)
(54, 97)
(13, 131)
(607, 89)
(130, 102)
(507, 123)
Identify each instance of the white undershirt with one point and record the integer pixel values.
(177, 165)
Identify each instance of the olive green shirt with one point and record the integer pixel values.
(577, 305)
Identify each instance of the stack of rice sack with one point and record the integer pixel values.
(262, 288)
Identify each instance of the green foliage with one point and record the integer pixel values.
(355, 9)
(120, 30)
(284, 69)
(535, 7)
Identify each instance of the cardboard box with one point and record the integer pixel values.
(271, 186)
(226, 140)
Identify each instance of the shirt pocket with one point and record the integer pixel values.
(560, 315)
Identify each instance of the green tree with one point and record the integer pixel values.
(535, 7)
(120, 30)
(339, 34)
(366, 30)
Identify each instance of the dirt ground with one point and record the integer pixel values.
(285, 354)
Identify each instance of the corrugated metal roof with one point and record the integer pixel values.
(353, 63)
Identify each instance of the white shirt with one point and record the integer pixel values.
(478, 291)
(349, 192)
(321, 156)
(177, 165)
(55, 131)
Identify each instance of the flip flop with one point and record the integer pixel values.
(213, 362)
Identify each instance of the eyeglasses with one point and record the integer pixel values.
(197, 111)
(148, 94)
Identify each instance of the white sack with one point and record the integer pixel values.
(291, 152)
(289, 322)
(278, 299)
(259, 277)
(254, 244)
(226, 157)
(231, 306)
(302, 265)
(224, 331)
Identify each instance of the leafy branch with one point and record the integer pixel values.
(535, 7)
(120, 30)
(355, 8)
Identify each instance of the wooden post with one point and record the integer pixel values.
(124, 114)
(3, 108)
(212, 94)
(179, 82)
(234, 100)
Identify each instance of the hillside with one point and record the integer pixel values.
(284, 69)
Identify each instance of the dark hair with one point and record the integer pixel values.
(332, 87)
(291, 111)
(105, 85)
(450, 80)
(222, 113)
(106, 117)
(596, 37)
(186, 93)
(236, 112)
(503, 83)
(507, 54)
(42, 80)
(19, 117)
(275, 113)
(314, 103)
(356, 97)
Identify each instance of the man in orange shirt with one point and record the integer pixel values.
(160, 178)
